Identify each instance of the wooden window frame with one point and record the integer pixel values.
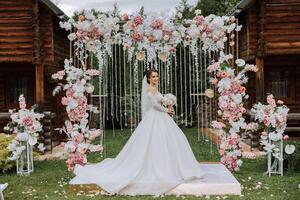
(291, 87)
(13, 76)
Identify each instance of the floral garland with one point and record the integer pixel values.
(272, 119)
(26, 125)
(79, 134)
(231, 123)
(149, 35)
(93, 32)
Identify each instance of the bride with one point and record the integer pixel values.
(156, 158)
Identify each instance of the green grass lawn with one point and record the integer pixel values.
(50, 179)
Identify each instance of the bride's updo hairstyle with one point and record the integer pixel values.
(148, 74)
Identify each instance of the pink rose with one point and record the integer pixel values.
(172, 49)
(138, 36)
(78, 138)
(64, 101)
(221, 152)
(270, 100)
(22, 103)
(92, 72)
(124, 17)
(286, 137)
(96, 148)
(264, 133)
(94, 133)
(280, 102)
(213, 67)
(214, 81)
(79, 34)
(187, 37)
(70, 92)
(198, 19)
(69, 126)
(252, 68)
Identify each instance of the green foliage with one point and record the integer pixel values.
(217, 7)
(5, 164)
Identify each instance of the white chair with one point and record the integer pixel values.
(2, 188)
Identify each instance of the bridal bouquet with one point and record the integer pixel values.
(169, 100)
(26, 125)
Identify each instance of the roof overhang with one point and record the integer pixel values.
(241, 6)
(56, 10)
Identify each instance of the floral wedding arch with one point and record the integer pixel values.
(194, 49)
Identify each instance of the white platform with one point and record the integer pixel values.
(217, 181)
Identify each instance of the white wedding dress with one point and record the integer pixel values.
(156, 158)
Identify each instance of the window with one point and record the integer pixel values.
(281, 83)
(17, 85)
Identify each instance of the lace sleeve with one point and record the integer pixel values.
(156, 105)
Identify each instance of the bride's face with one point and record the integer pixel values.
(154, 78)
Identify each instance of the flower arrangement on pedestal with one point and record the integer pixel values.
(229, 83)
(80, 136)
(26, 125)
(271, 119)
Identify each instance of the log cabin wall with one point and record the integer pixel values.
(270, 38)
(32, 43)
(249, 34)
(282, 34)
(16, 35)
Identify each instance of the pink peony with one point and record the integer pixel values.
(27, 121)
(157, 24)
(138, 20)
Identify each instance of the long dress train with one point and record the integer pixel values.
(156, 158)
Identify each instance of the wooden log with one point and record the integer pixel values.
(283, 44)
(36, 58)
(39, 84)
(260, 91)
(16, 58)
(283, 51)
